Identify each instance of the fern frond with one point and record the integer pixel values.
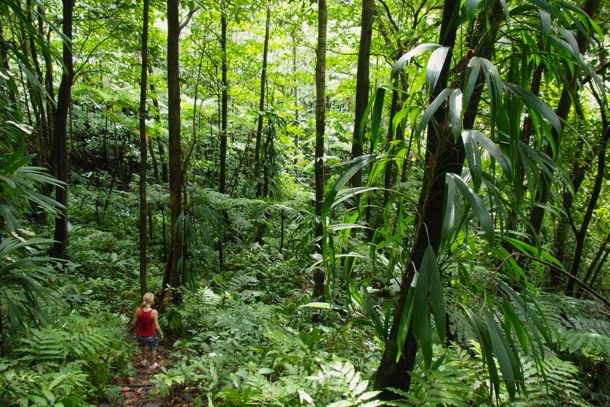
(204, 296)
(342, 376)
(574, 341)
(558, 383)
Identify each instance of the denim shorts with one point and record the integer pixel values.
(150, 341)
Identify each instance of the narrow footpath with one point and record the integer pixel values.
(135, 390)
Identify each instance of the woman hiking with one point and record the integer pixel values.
(146, 321)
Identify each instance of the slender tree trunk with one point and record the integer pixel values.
(153, 158)
(143, 152)
(362, 82)
(579, 170)
(160, 146)
(318, 290)
(296, 88)
(224, 110)
(48, 81)
(391, 167)
(268, 152)
(595, 193)
(524, 136)
(598, 260)
(38, 98)
(224, 101)
(600, 267)
(171, 277)
(4, 63)
(296, 91)
(60, 159)
(261, 107)
(563, 110)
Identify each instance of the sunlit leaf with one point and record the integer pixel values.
(435, 67)
(421, 48)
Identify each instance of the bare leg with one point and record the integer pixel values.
(144, 349)
(153, 357)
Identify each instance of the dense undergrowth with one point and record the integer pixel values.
(250, 335)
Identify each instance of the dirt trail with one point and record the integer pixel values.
(135, 389)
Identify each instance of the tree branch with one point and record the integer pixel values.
(389, 15)
(188, 17)
(586, 287)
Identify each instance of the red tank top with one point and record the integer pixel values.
(145, 324)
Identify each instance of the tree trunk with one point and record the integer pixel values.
(600, 267)
(444, 155)
(261, 107)
(224, 101)
(296, 92)
(579, 169)
(318, 290)
(48, 80)
(4, 63)
(143, 152)
(563, 110)
(171, 277)
(60, 159)
(362, 82)
(153, 158)
(598, 261)
(595, 193)
(160, 147)
(37, 98)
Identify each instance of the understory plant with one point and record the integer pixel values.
(243, 352)
(72, 361)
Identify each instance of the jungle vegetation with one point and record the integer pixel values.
(336, 202)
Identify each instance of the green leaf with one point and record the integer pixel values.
(502, 354)
(493, 149)
(533, 251)
(534, 104)
(405, 322)
(361, 296)
(421, 48)
(455, 112)
(376, 119)
(435, 67)
(437, 301)
(318, 305)
(475, 203)
(429, 112)
(451, 213)
(56, 381)
(473, 158)
(421, 306)
(482, 333)
(545, 19)
(470, 7)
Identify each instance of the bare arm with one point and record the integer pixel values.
(134, 320)
(155, 317)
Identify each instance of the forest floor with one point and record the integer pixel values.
(136, 389)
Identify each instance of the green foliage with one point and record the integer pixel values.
(19, 188)
(250, 354)
(67, 386)
(557, 383)
(457, 379)
(245, 336)
(23, 276)
(71, 361)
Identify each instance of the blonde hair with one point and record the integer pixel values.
(147, 299)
